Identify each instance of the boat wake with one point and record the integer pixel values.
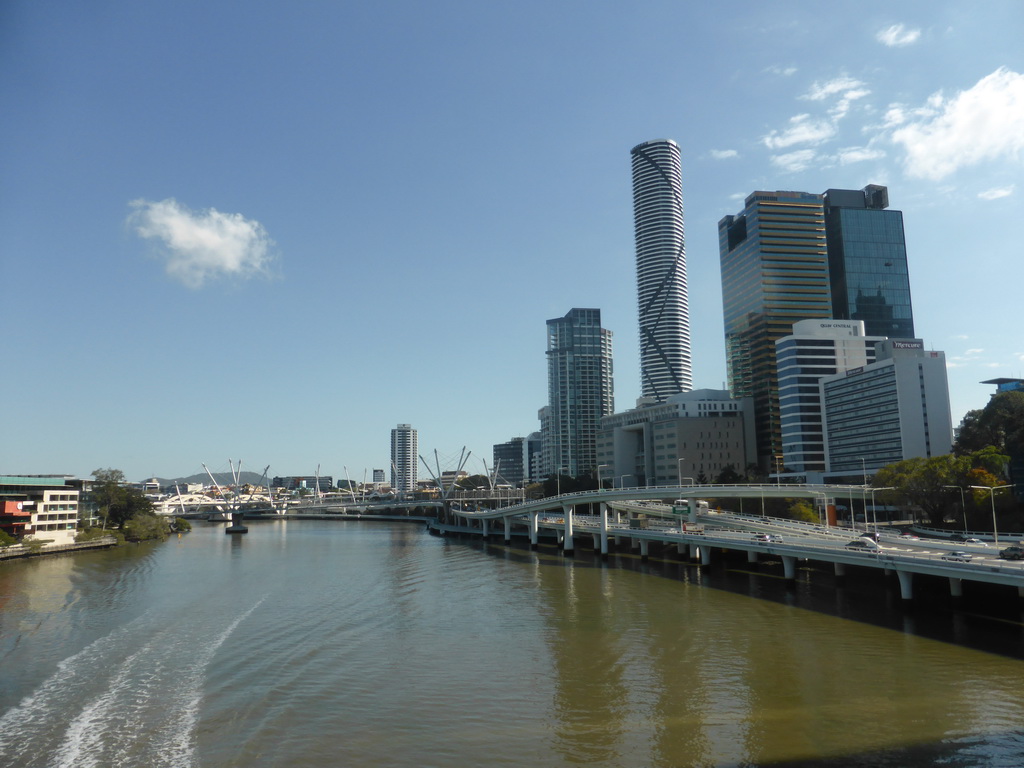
(136, 692)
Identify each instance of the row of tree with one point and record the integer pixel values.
(126, 510)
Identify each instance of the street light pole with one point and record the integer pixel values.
(874, 512)
(778, 471)
(679, 467)
(864, 470)
(963, 507)
(992, 496)
(599, 468)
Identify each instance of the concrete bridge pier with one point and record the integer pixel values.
(789, 567)
(567, 541)
(604, 531)
(508, 529)
(682, 548)
(705, 555)
(956, 588)
(644, 545)
(694, 551)
(485, 528)
(533, 530)
(840, 571)
(906, 584)
(751, 556)
(634, 543)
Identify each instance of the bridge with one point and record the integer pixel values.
(645, 515)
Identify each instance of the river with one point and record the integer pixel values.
(343, 643)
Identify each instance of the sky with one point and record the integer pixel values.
(270, 232)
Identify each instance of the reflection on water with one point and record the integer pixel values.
(269, 649)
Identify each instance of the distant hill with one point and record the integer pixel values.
(222, 478)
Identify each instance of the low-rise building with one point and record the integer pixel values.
(690, 437)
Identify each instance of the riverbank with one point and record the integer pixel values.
(19, 550)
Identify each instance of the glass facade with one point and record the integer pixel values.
(774, 273)
(580, 390)
(867, 254)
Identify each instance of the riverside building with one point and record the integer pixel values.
(815, 349)
(665, 361)
(580, 390)
(893, 409)
(404, 452)
(690, 438)
(792, 256)
(774, 273)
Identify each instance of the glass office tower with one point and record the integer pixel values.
(774, 273)
(579, 390)
(867, 256)
(665, 361)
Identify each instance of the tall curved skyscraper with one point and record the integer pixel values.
(665, 362)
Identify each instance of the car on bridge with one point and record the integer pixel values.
(767, 538)
(1012, 552)
(958, 557)
(863, 544)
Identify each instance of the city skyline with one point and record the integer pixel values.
(208, 217)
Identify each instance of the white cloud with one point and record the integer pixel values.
(859, 155)
(996, 192)
(844, 85)
(802, 130)
(985, 122)
(724, 154)
(775, 69)
(200, 246)
(897, 36)
(794, 161)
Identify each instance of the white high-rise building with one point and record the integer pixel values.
(893, 409)
(815, 349)
(404, 451)
(665, 362)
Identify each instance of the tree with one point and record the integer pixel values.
(729, 476)
(1000, 425)
(115, 501)
(930, 484)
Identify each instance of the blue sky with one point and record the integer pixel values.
(272, 231)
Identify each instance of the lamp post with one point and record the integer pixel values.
(963, 507)
(992, 496)
(679, 467)
(864, 471)
(874, 512)
(599, 468)
(778, 470)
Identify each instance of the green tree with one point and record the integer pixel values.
(116, 503)
(930, 484)
(145, 526)
(801, 509)
(999, 424)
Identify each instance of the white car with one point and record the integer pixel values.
(958, 557)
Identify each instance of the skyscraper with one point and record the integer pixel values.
(665, 362)
(579, 390)
(404, 452)
(867, 260)
(774, 273)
